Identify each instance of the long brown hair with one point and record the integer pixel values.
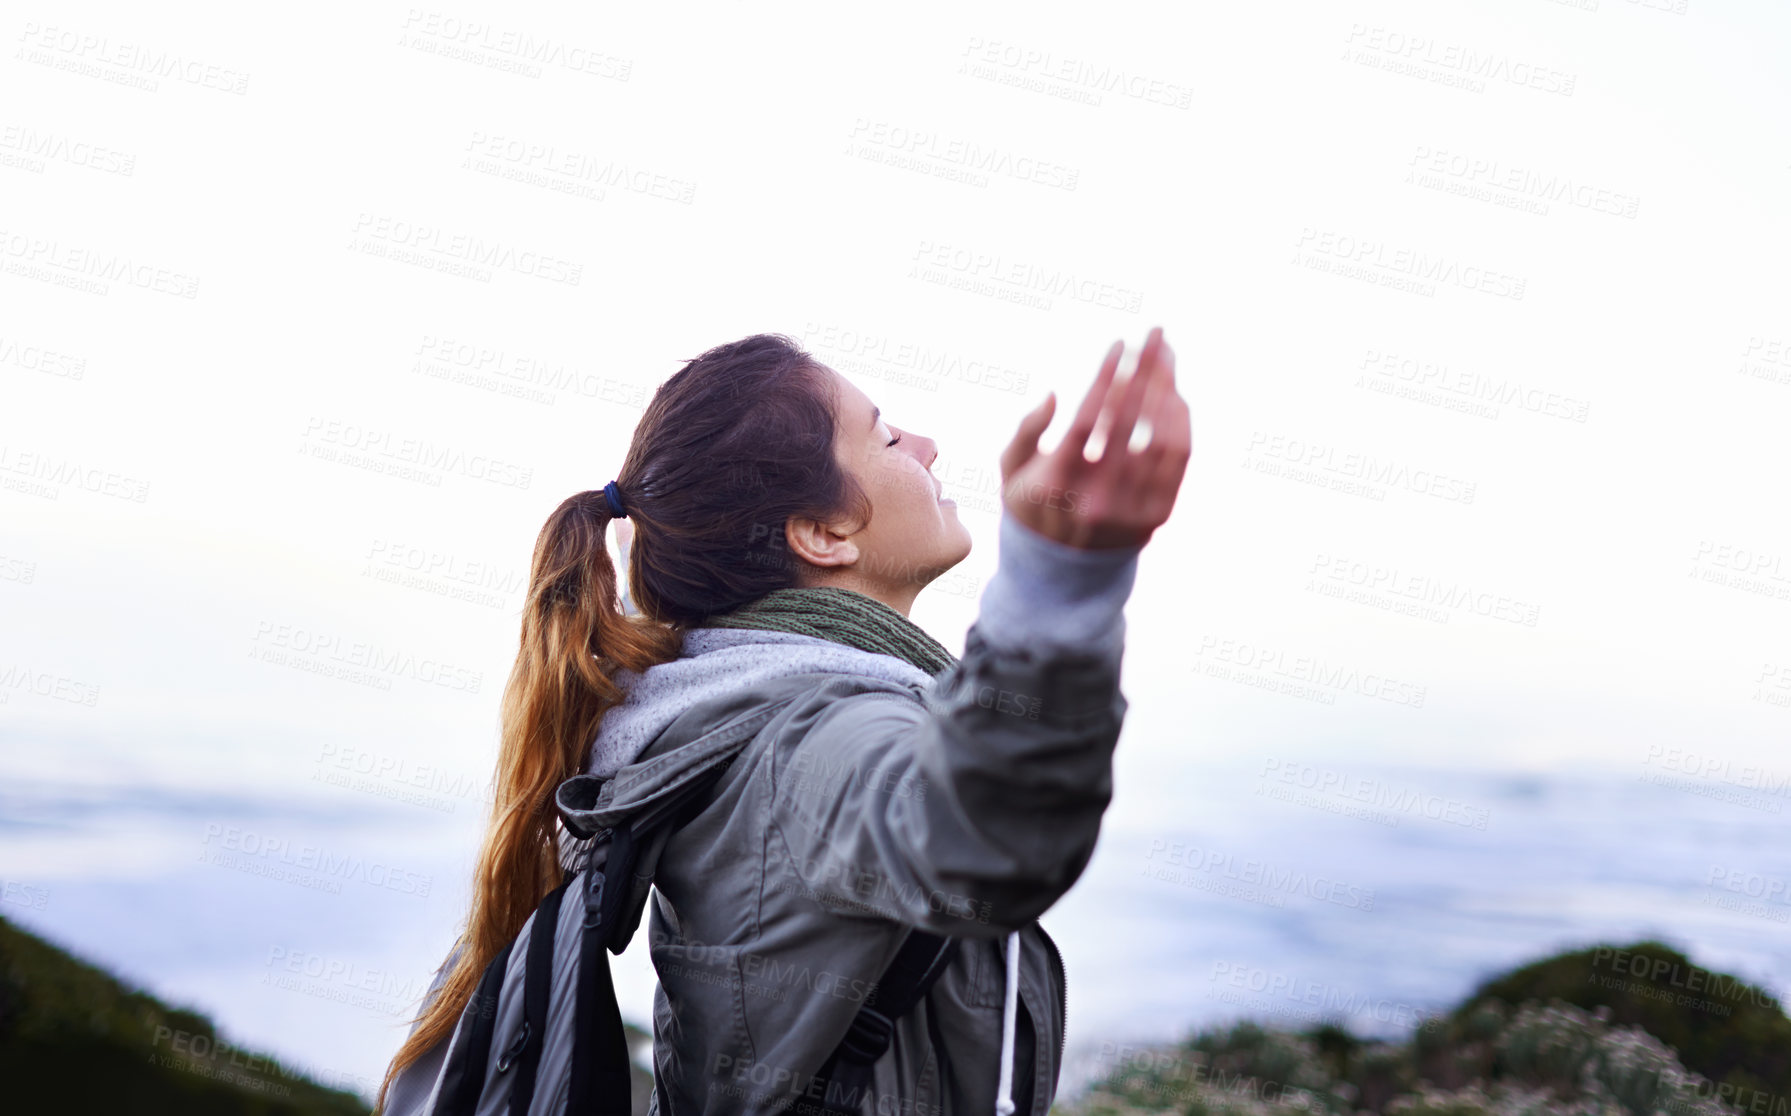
(735, 443)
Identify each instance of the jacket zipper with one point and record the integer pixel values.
(1063, 994)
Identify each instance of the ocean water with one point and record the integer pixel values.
(308, 922)
(1327, 906)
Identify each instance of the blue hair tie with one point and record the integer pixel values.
(614, 496)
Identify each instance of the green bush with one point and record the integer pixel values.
(75, 1039)
(1720, 1025)
(1544, 1040)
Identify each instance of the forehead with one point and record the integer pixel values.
(854, 404)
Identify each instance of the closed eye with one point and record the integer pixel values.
(894, 440)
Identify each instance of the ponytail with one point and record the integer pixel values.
(729, 448)
(575, 635)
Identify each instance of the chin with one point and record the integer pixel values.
(960, 546)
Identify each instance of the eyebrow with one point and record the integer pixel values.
(875, 411)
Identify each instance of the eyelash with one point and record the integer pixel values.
(894, 440)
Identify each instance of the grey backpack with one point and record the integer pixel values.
(542, 1034)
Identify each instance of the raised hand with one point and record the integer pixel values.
(1123, 496)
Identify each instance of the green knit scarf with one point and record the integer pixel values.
(843, 616)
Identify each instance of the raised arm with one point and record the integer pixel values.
(974, 812)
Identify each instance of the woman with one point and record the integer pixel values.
(782, 528)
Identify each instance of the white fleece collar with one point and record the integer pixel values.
(718, 661)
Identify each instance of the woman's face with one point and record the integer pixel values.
(913, 535)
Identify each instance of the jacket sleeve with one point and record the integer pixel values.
(970, 812)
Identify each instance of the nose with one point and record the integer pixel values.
(925, 449)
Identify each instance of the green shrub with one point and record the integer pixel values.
(1517, 1047)
(1721, 1026)
(73, 1038)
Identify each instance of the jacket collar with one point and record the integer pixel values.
(717, 663)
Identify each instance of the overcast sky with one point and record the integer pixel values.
(310, 321)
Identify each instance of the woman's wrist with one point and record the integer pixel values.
(1049, 594)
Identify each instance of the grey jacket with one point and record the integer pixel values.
(860, 799)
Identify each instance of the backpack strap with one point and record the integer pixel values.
(524, 1052)
(600, 1078)
(465, 1076)
(846, 1075)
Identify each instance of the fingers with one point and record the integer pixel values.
(1026, 439)
(1119, 430)
(1165, 460)
(1075, 440)
(1155, 392)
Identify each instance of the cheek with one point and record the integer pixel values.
(916, 479)
(902, 480)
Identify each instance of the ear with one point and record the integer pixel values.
(819, 544)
